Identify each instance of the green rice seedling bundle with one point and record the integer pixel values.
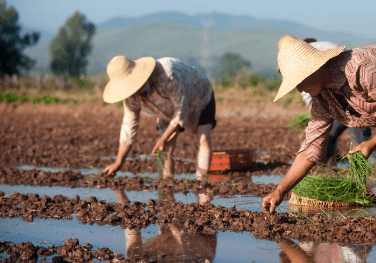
(329, 191)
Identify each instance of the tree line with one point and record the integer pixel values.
(69, 50)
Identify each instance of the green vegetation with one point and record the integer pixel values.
(299, 122)
(360, 168)
(326, 188)
(287, 101)
(329, 188)
(248, 88)
(37, 89)
(69, 50)
(161, 156)
(230, 66)
(255, 79)
(12, 59)
(11, 97)
(273, 84)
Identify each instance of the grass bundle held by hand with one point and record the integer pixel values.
(360, 168)
(160, 159)
(339, 190)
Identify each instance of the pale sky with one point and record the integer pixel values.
(354, 16)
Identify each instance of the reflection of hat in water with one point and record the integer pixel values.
(297, 60)
(126, 77)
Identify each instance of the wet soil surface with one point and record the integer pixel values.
(205, 218)
(71, 138)
(239, 185)
(71, 251)
(72, 179)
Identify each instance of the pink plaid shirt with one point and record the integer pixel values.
(354, 75)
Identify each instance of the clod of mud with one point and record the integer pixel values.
(75, 179)
(195, 217)
(71, 251)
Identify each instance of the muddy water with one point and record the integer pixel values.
(44, 134)
(222, 247)
(172, 239)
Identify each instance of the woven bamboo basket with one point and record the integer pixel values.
(296, 200)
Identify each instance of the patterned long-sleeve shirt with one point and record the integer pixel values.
(352, 102)
(175, 92)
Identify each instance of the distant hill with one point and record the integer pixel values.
(160, 39)
(181, 36)
(230, 23)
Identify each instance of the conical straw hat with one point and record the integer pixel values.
(285, 39)
(297, 60)
(126, 77)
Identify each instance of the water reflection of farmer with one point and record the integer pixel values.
(342, 87)
(321, 252)
(181, 97)
(357, 135)
(172, 240)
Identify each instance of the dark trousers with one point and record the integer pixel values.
(357, 135)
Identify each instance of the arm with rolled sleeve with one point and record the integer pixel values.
(128, 134)
(129, 127)
(313, 150)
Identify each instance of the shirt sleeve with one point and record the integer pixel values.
(307, 99)
(128, 132)
(361, 74)
(317, 135)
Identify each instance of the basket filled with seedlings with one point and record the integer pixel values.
(336, 191)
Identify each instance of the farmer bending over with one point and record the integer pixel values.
(357, 135)
(343, 88)
(178, 95)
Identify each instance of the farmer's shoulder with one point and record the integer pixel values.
(363, 55)
(171, 64)
(358, 59)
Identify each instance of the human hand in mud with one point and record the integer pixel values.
(271, 201)
(366, 148)
(112, 169)
(160, 145)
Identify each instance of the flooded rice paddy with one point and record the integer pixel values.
(53, 209)
(172, 239)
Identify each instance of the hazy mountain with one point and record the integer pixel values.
(227, 23)
(181, 36)
(160, 39)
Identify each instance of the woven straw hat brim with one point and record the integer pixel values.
(124, 85)
(297, 60)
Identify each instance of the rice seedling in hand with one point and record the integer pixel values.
(99, 172)
(160, 159)
(360, 168)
